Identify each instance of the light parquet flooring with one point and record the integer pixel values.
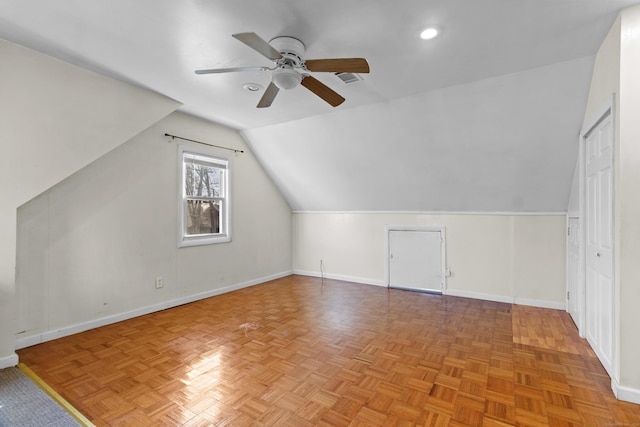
(551, 329)
(296, 352)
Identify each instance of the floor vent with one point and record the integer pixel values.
(349, 77)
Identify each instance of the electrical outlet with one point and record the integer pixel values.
(159, 282)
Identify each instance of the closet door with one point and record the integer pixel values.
(599, 262)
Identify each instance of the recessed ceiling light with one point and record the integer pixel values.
(253, 87)
(428, 33)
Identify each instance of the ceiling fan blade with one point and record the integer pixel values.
(269, 96)
(231, 70)
(259, 45)
(323, 91)
(338, 65)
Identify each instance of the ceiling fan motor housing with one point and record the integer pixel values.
(291, 49)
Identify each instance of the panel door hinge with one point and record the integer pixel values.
(568, 295)
(568, 231)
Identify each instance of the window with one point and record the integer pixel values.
(204, 198)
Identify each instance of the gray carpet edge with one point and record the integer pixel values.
(24, 404)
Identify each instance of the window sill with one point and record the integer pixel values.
(202, 241)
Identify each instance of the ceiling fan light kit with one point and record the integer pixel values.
(286, 78)
(287, 55)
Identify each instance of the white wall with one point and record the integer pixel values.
(91, 247)
(627, 202)
(501, 257)
(616, 71)
(605, 82)
(605, 79)
(55, 118)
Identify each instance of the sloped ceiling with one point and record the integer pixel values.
(483, 118)
(499, 144)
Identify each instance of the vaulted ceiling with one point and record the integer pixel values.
(485, 117)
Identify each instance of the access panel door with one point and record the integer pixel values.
(415, 260)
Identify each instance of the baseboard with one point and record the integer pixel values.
(486, 213)
(9, 361)
(22, 342)
(451, 292)
(507, 299)
(628, 394)
(360, 280)
(478, 295)
(541, 303)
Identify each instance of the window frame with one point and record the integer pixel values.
(224, 236)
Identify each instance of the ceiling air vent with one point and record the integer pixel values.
(349, 77)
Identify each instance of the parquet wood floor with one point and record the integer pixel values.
(294, 352)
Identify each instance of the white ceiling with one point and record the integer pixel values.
(483, 118)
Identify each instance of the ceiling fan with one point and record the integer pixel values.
(291, 69)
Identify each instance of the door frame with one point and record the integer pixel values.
(577, 295)
(443, 239)
(608, 109)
